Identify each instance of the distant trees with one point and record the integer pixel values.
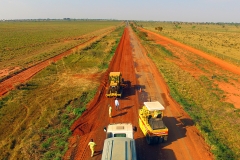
(159, 28)
(68, 19)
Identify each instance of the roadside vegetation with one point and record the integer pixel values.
(200, 96)
(219, 39)
(23, 44)
(36, 117)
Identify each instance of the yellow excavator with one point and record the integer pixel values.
(116, 85)
(151, 122)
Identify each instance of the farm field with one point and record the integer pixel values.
(208, 91)
(40, 115)
(218, 39)
(36, 116)
(23, 44)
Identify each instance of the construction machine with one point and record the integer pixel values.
(151, 122)
(119, 143)
(116, 85)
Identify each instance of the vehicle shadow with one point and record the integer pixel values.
(97, 153)
(176, 128)
(143, 96)
(152, 152)
(120, 114)
(131, 90)
(125, 108)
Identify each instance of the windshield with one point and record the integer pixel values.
(120, 135)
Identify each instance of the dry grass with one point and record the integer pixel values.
(221, 40)
(23, 44)
(189, 78)
(35, 118)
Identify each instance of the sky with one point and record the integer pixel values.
(156, 10)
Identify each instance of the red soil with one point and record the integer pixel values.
(231, 89)
(12, 82)
(227, 66)
(184, 142)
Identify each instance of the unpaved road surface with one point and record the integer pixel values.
(184, 140)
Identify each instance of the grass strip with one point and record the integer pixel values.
(36, 117)
(201, 99)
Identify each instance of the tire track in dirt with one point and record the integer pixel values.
(96, 116)
(186, 132)
(169, 150)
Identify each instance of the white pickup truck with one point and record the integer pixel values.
(119, 143)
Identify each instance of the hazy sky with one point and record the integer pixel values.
(159, 10)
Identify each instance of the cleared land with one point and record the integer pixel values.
(42, 110)
(36, 116)
(220, 40)
(23, 44)
(184, 141)
(207, 88)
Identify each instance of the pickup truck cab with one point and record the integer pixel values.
(119, 143)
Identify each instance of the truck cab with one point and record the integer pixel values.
(120, 130)
(119, 143)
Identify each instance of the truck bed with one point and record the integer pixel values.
(119, 148)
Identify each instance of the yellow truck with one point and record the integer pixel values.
(151, 122)
(115, 85)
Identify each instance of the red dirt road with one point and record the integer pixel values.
(184, 141)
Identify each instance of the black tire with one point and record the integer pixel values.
(149, 139)
(165, 138)
(155, 140)
(161, 140)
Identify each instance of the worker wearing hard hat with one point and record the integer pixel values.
(92, 145)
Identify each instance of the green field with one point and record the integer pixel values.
(23, 44)
(36, 117)
(220, 40)
(199, 95)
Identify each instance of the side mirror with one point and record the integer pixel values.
(134, 128)
(105, 129)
